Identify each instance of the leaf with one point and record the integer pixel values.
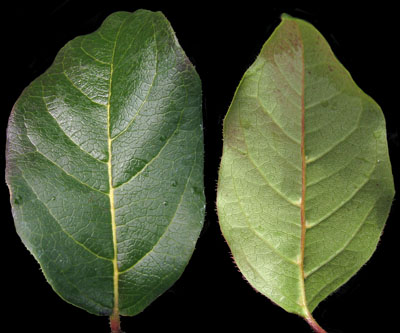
(305, 183)
(105, 165)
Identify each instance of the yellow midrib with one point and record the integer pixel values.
(115, 313)
(112, 208)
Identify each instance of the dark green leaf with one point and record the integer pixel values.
(105, 165)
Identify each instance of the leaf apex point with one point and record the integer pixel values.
(285, 16)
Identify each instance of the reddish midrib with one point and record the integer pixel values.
(303, 170)
(311, 321)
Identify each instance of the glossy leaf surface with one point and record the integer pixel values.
(105, 165)
(305, 182)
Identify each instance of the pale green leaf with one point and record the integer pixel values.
(305, 182)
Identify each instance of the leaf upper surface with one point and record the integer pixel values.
(305, 182)
(105, 165)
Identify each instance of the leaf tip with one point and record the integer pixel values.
(285, 16)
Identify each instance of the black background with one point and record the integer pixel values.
(221, 42)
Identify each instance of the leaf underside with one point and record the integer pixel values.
(305, 183)
(105, 165)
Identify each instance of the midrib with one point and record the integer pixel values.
(113, 225)
(308, 316)
(303, 187)
(115, 313)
